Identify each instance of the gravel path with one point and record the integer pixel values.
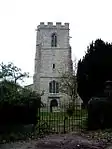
(66, 141)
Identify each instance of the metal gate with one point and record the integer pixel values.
(61, 121)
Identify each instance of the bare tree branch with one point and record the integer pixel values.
(68, 82)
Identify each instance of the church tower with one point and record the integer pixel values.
(53, 57)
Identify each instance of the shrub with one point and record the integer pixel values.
(99, 114)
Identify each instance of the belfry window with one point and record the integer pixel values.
(54, 40)
(53, 87)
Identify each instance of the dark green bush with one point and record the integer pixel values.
(100, 114)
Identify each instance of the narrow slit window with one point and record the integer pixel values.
(53, 66)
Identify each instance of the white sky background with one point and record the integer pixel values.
(89, 20)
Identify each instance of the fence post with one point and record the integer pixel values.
(64, 124)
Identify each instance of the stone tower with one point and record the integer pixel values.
(53, 57)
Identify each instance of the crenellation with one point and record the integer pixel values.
(42, 24)
(58, 24)
(67, 25)
(51, 25)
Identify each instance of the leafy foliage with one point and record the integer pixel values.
(10, 91)
(94, 69)
(11, 72)
(15, 94)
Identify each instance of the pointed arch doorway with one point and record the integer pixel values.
(54, 104)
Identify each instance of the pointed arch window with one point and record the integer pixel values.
(53, 87)
(54, 40)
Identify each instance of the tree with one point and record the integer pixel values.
(9, 75)
(10, 90)
(68, 82)
(11, 72)
(94, 69)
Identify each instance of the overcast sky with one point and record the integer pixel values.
(89, 20)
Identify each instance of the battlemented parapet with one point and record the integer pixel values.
(51, 25)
